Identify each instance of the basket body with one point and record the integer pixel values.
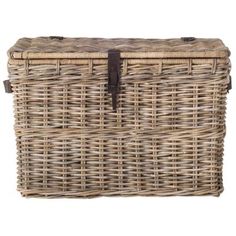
(165, 137)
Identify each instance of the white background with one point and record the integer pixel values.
(114, 216)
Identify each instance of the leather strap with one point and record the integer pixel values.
(113, 75)
(7, 86)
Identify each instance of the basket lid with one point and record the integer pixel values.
(58, 47)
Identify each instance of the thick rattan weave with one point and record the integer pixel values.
(165, 138)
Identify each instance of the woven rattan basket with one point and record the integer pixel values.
(100, 117)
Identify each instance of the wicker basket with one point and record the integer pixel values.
(101, 117)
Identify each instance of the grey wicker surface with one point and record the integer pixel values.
(44, 47)
(166, 137)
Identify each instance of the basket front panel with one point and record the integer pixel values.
(166, 137)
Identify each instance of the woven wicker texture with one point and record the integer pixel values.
(44, 47)
(166, 137)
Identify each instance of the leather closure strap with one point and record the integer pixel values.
(113, 75)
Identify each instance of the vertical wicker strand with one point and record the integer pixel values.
(25, 148)
(90, 67)
(64, 125)
(213, 140)
(160, 67)
(125, 67)
(17, 110)
(83, 127)
(214, 122)
(173, 148)
(119, 151)
(214, 64)
(119, 124)
(101, 141)
(45, 146)
(195, 139)
(154, 140)
(137, 139)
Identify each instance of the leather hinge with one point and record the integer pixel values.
(188, 39)
(7, 86)
(56, 37)
(113, 75)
